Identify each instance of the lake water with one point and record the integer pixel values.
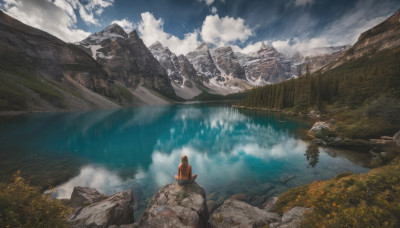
(259, 154)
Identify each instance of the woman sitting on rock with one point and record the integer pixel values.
(185, 172)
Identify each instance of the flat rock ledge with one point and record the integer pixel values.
(177, 206)
(235, 213)
(92, 209)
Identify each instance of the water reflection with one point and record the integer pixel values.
(312, 154)
(231, 150)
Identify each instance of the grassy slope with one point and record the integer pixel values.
(349, 200)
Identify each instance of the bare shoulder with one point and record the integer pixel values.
(190, 167)
(180, 166)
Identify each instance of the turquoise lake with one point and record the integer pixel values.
(259, 154)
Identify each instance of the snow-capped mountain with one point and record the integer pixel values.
(127, 59)
(228, 62)
(181, 72)
(221, 80)
(266, 66)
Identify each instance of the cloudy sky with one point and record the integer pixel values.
(288, 25)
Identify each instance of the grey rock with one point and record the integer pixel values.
(234, 213)
(270, 204)
(321, 130)
(292, 218)
(396, 138)
(83, 196)
(177, 206)
(115, 210)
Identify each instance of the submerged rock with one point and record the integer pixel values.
(292, 218)
(115, 210)
(235, 213)
(177, 206)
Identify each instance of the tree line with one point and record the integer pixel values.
(351, 84)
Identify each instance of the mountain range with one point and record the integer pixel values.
(112, 68)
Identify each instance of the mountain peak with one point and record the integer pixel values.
(114, 29)
(157, 46)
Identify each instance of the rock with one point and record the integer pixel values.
(177, 206)
(321, 130)
(319, 142)
(211, 205)
(235, 213)
(270, 204)
(258, 200)
(115, 210)
(83, 196)
(292, 218)
(286, 178)
(133, 225)
(396, 138)
(239, 196)
(188, 84)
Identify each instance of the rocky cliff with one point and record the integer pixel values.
(381, 37)
(180, 71)
(41, 72)
(127, 59)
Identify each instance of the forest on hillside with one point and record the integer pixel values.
(372, 80)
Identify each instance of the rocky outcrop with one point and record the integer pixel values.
(103, 212)
(321, 130)
(235, 213)
(291, 218)
(177, 206)
(127, 59)
(82, 196)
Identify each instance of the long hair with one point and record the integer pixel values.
(184, 161)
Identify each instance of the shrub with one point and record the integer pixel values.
(23, 206)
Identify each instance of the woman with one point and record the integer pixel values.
(185, 172)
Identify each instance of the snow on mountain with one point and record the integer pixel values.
(181, 72)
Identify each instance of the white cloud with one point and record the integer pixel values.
(60, 19)
(303, 2)
(224, 31)
(252, 47)
(151, 30)
(125, 24)
(57, 17)
(214, 10)
(208, 2)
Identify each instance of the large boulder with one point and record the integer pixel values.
(291, 219)
(83, 196)
(235, 213)
(396, 138)
(115, 210)
(321, 130)
(177, 206)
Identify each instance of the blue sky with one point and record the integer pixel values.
(181, 25)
